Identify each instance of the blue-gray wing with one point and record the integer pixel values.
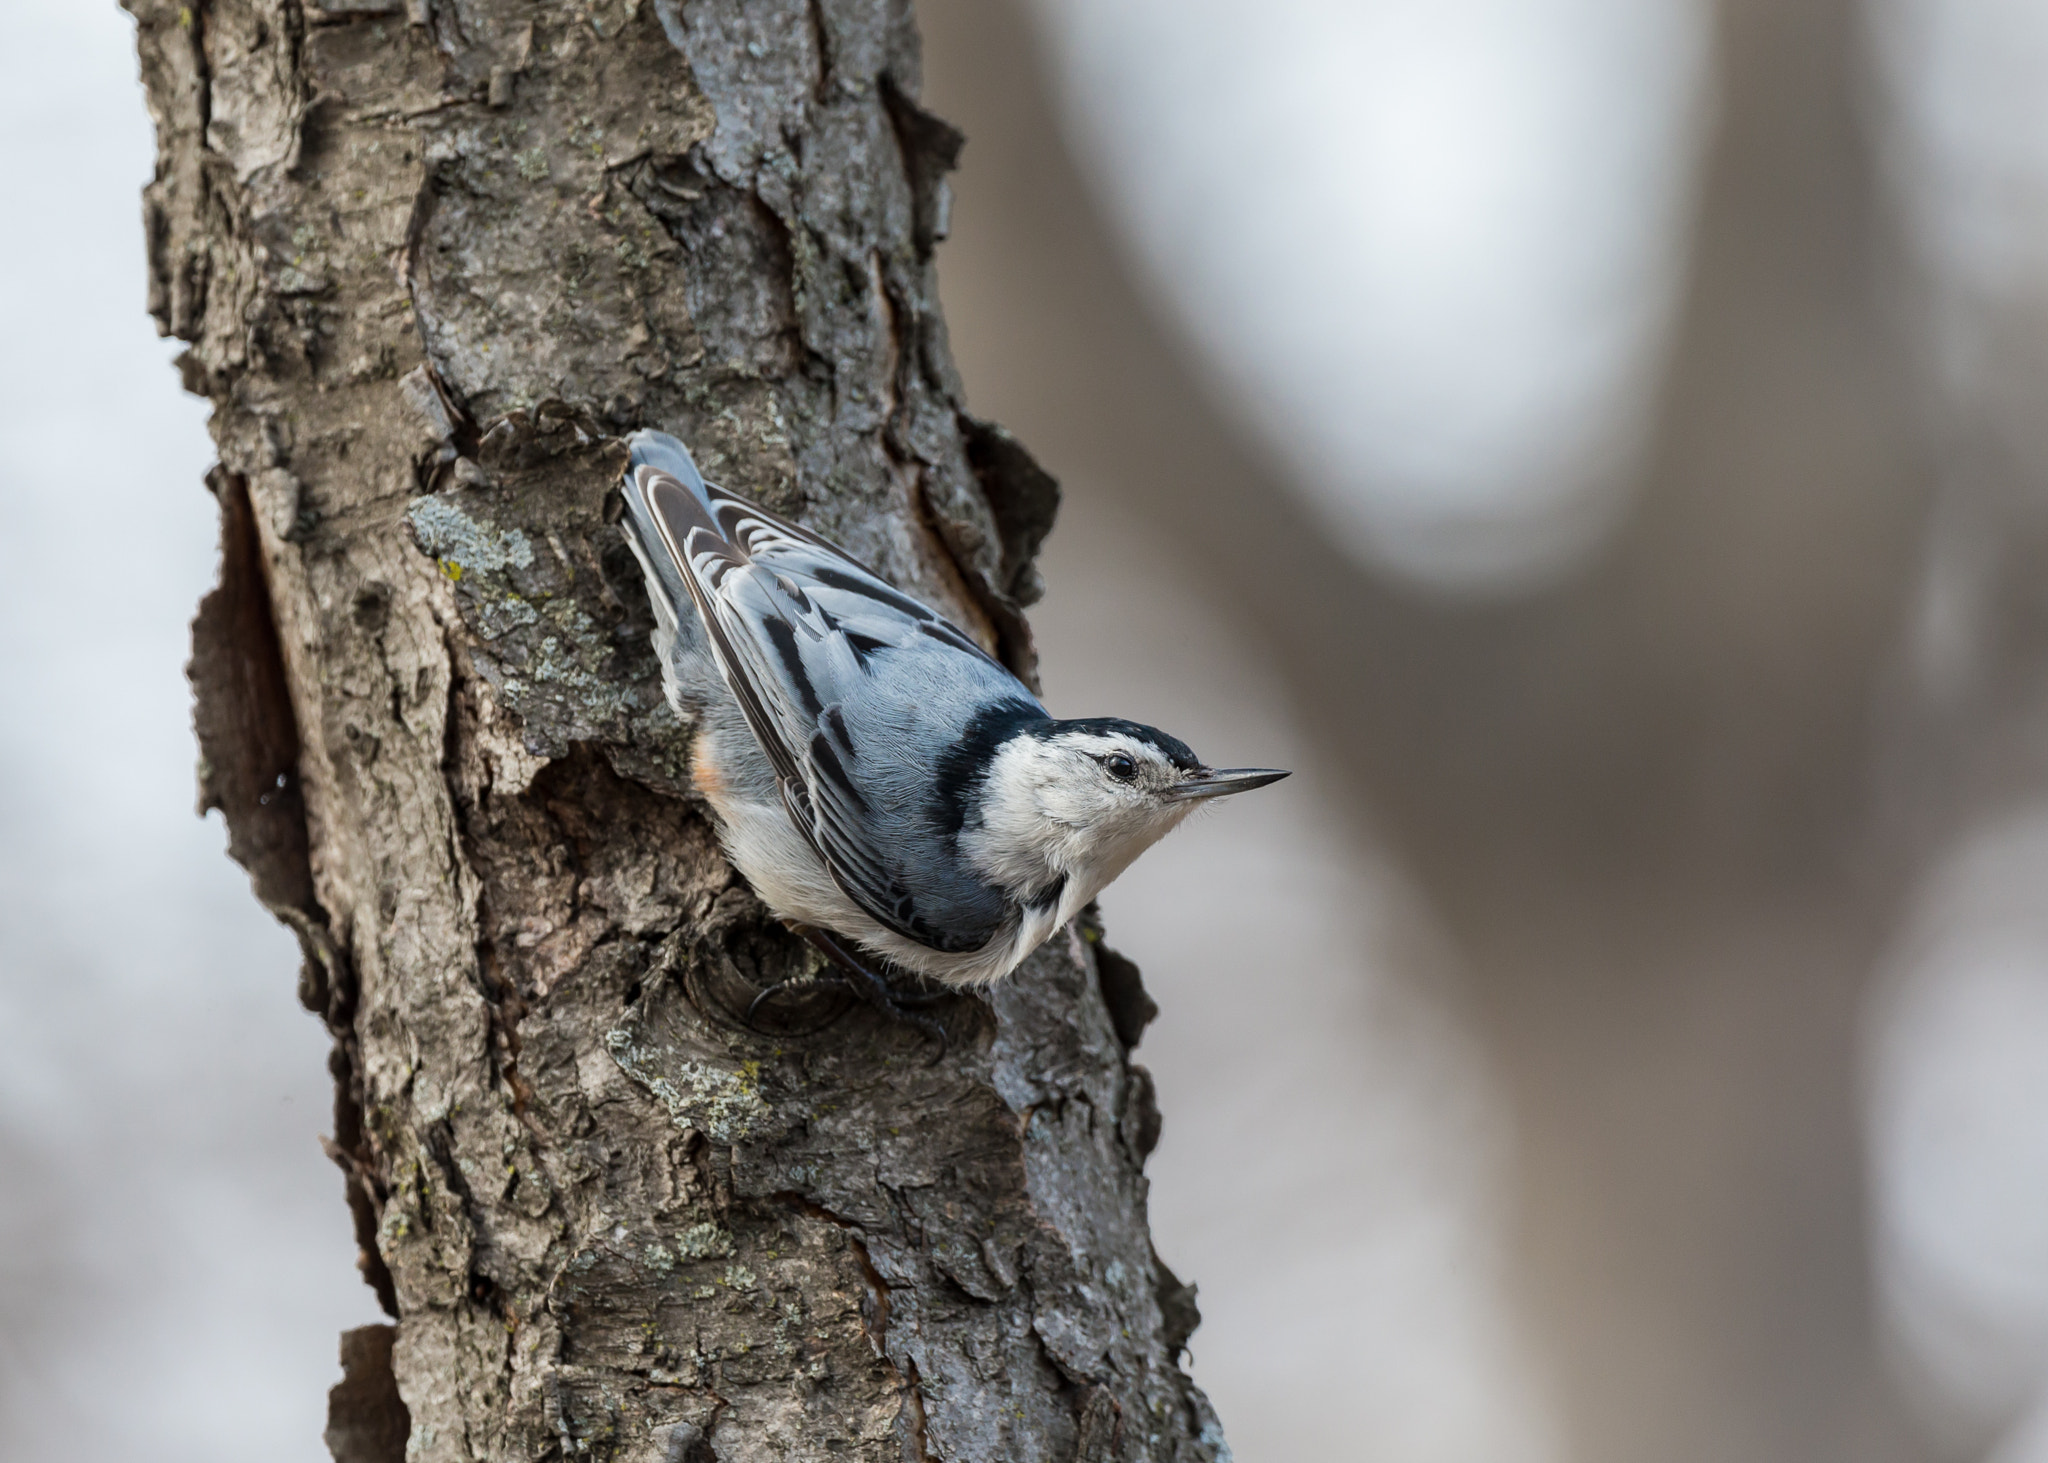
(852, 688)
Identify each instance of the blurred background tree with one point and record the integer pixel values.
(1622, 658)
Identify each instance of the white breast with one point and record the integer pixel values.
(792, 880)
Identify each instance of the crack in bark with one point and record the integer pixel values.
(969, 590)
(913, 1404)
(875, 1322)
(821, 40)
(193, 18)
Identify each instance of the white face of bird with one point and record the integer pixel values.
(1087, 799)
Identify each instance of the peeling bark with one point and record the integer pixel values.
(433, 259)
(366, 1421)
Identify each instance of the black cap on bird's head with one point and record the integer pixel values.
(1190, 779)
(1172, 748)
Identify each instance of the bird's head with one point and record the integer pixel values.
(1077, 801)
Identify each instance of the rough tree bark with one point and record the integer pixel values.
(433, 258)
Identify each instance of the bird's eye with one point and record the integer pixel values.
(1120, 766)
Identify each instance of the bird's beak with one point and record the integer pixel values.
(1213, 782)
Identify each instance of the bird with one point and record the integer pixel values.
(889, 789)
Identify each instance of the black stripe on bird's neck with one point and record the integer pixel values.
(963, 767)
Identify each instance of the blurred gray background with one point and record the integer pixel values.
(1599, 443)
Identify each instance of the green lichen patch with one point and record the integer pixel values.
(464, 544)
(552, 604)
(703, 1242)
(723, 1102)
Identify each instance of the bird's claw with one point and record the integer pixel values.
(854, 975)
(877, 993)
(769, 990)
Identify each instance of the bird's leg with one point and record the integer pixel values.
(873, 989)
(835, 951)
(854, 974)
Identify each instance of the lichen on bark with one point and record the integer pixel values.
(433, 258)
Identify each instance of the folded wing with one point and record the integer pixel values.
(799, 628)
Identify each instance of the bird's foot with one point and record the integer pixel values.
(850, 971)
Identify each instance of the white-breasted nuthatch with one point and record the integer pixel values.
(875, 775)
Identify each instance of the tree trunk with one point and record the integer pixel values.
(434, 257)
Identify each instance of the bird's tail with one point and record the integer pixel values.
(678, 636)
(659, 450)
(664, 453)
